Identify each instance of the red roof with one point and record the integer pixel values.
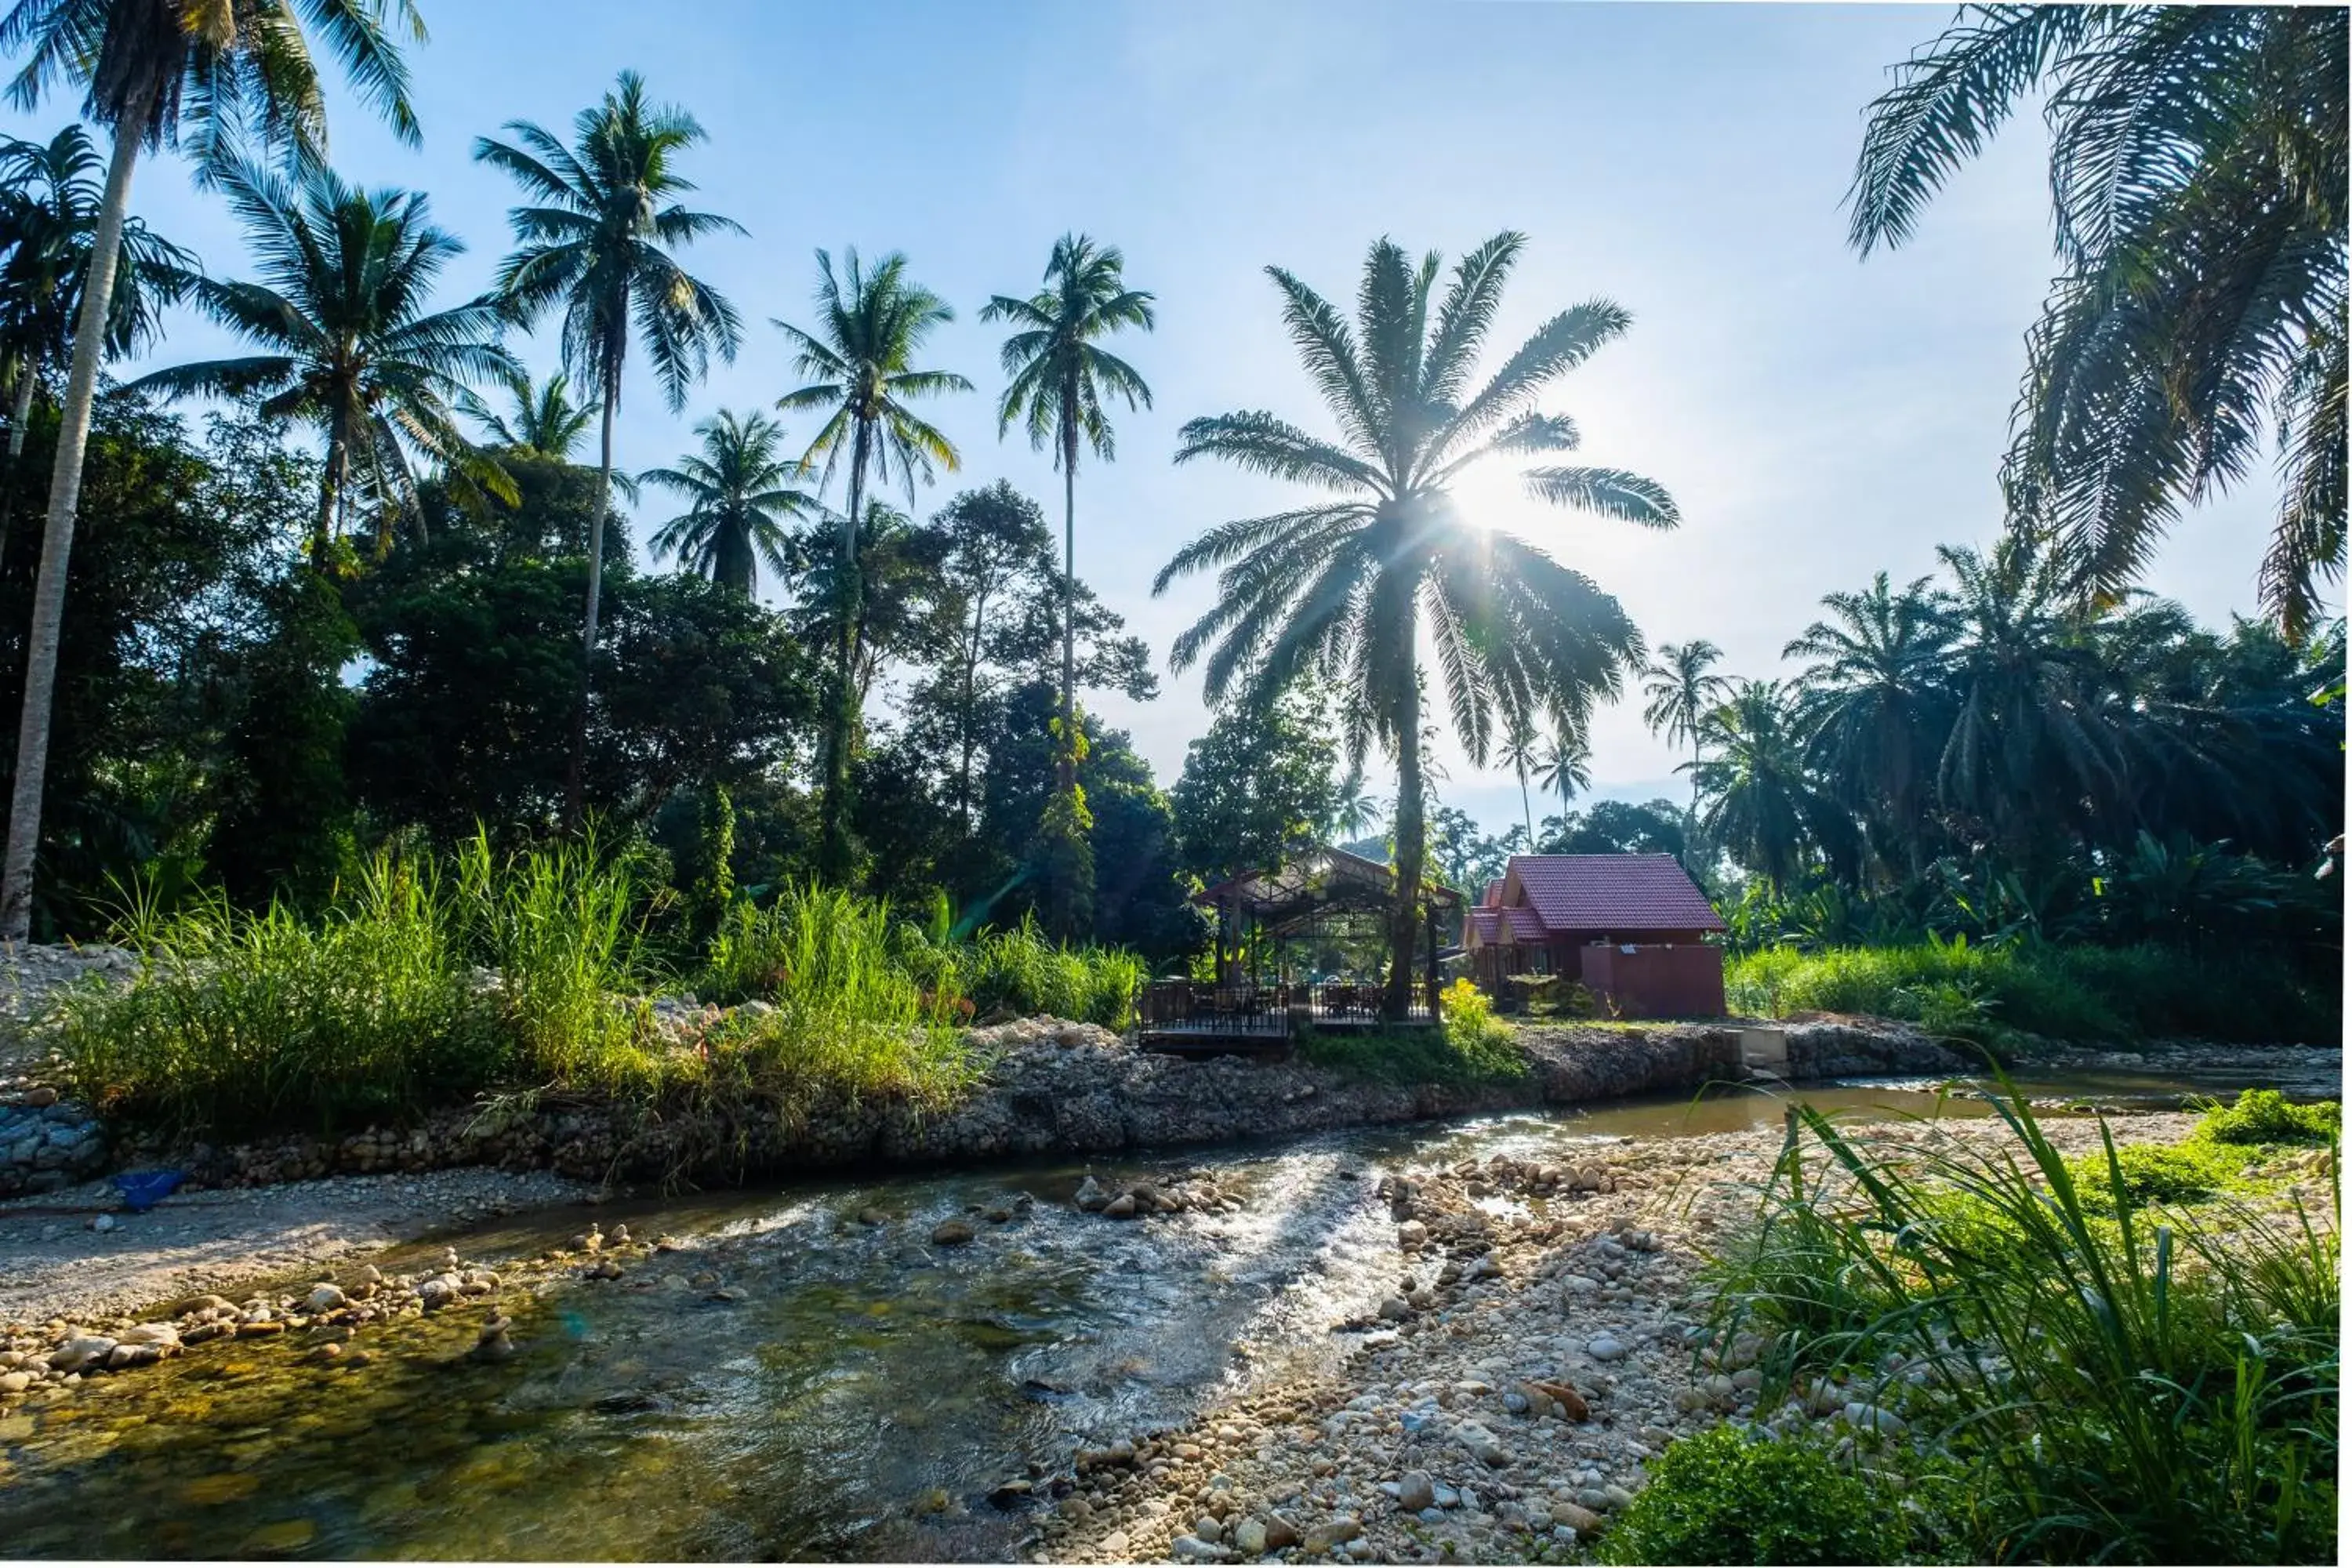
(1488, 921)
(1611, 893)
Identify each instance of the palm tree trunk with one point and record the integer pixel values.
(967, 719)
(1528, 809)
(57, 536)
(834, 845)
(1405, 917)
(330, 490)
(1066, 766)
(19, 411)
(575, 776)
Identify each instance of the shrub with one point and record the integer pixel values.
(1473, 1046)
(2267, 1116)
(1021, 969)
(2091, 1384)
(1726, 1496)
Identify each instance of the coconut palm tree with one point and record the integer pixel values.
(2198, 167)
(1517, 753)
(50, 194)
(1872, 702)
(1060, 380)
(208, 77)
(350, 346)
(739, 490)
(1346, 585)
(1564, 768)
(1681, 694)
(595, 235)
(544, 422)
(871, 323)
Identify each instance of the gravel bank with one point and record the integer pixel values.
(1533, 1357)
(55, 1265)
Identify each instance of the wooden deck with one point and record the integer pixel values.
(1212, 1020)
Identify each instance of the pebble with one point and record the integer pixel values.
(1605, 1347)
(952, 1233)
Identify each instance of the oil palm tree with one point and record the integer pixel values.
(1345, 587)
(1680, 694)
(738, 490)
(544, 421)
(348, 345)
(1872, 703)
(1060, 380)
(595, 235)
(50, 194)
(871, 323)
(207, 77)
(2198, 167)
(1764, 807)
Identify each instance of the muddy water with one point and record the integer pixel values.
(857, 1392)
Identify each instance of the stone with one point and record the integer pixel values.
(1605, 1347)
(1209, 1530)
(1571, 1403)
(1618, 1496)
(81, 1351)
(1415, 1491)
(1395, 1309)
(1194, 1549)
(1249, 1538)
(1411, 1234)
(15, 1382)
(42, 1098)
(1335, 1531)
(327, 1298)
(872, 1215)
(1280, 1533)
(1091, 1195)
(952, 1233)
(1575, 1516)
(1123, 1207)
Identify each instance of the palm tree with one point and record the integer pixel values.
(595, 235)
(50, 200)
(205, 77)
(870, 326)
(1767, 810)
(739, 490)
(2198, 167)
(1872, 702)
(1358, 810)
(1681, 694)
(1059, 379)
(351, 347)
(544, 423)
(1517, 753)
(1565, 768)
(1343, 588)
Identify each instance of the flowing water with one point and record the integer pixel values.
(862, 1396)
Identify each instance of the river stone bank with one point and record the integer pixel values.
(1053, 1088)
(1542, 1347)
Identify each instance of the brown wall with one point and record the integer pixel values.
(1684, 980)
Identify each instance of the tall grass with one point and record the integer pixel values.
(2084, 1376)
(1019, 970)
(1979, 991)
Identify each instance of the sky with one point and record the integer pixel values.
(1817, 417)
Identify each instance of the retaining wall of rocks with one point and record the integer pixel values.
(47, 1143)
(1057, 1088)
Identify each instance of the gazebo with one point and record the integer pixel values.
(1307, 943)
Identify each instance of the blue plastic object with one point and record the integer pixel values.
(143, 1189)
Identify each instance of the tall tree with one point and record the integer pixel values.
(350, 346)
(1565, 766)
(1060, 378)
(208, 77)
(1518, 752)
(1767, 810)
(2198, 171)
(870, 326)
(544, 421)
(1681, 694)
(1344, 588)
(50, 198)
(601, 220)
(738, 490)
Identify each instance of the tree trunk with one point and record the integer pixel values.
(967, 721)
(575, 776)
(1528, 809)
(834, 844)
(1065, 763)
(331, 491)
(1405, 917)
(19, 413)
(56, 537)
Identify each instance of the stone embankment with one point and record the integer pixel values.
(1543, 1343)
(1054, 1087)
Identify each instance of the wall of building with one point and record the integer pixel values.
(1678, 979)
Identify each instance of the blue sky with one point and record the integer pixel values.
(1817, 417)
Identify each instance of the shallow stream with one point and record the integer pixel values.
(862, 1395)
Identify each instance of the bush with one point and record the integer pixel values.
(1726, 1496)
(2265, 1116)
(1473, 1046)
(1021, 969)
(1980, 993)
(2089, 1384)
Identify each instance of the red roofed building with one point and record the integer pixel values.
(1633, 928)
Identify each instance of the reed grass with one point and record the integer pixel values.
(2088, 1372)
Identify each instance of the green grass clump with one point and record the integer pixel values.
(1019, 970)
(2267, 1116)
(2085, 1373)
(1981, 992)
(1727, 1496)
(1473, 1046)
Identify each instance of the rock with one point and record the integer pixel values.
(1605, 1347)
(1518, 1404)
(327, 1298)
(164, 1334)
(1870, 1418)
(1571, 1403)
(260, 1327)
(1482, 1444)
(79, 1352)
(1618, 1496)
(1575, 1516)
(1091, 1195)
(1249, 1538)
(872, 1215)
(1207, 1527)
(1395, 1309)
(1194, 1549)
(1415, 1491)
(1120, 1207)
(1280, 1533)
(952, 1233)
(102, 1224)
(15, 1382)
(1411, 1234)
(1335, 1531)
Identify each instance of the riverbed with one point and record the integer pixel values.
(811, 1371)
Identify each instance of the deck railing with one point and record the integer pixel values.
(1270, 1009)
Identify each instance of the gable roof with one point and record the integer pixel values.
(1609, 893)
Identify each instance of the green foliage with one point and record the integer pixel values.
(1727, 1496)
(2083, 1377)
(1258, 787)
(1976, 992)
(1471, 1048)
(1019, 969)
(2265, 1116)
